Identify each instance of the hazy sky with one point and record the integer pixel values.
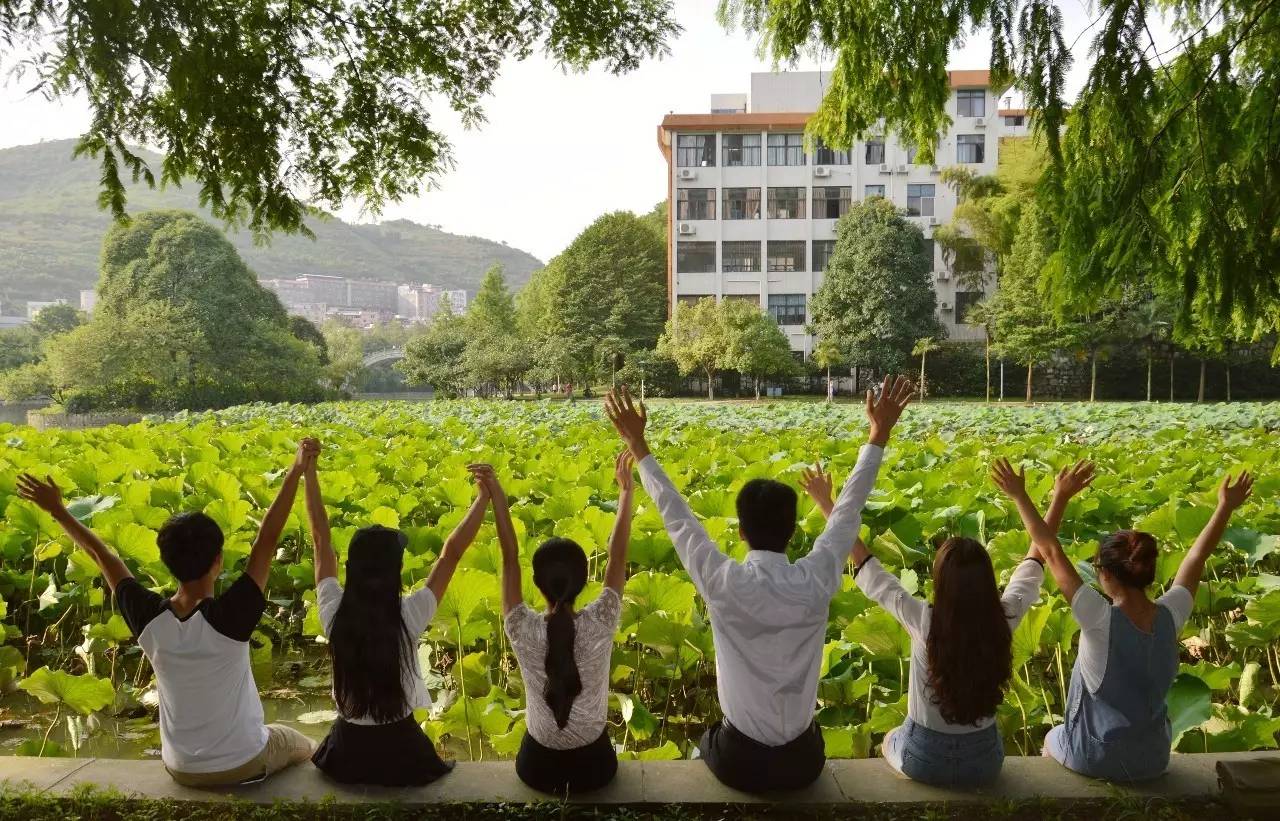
(560, 149)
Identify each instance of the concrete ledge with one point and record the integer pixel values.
(648, 782)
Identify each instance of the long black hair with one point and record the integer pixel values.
(368, 641)
(560, 572)
(970, 645)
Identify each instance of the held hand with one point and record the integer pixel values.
(622, 472)
(1072, 479)
(628, 420)
(817, 483)
(45, 495)
(308, 453)
(1233, 493)
(486, 481)
(1012, 483)
(883, 411)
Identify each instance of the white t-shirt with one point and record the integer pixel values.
(210, 714)
(595, 626)
(1093, 613)
(915, 615)
(416, 609)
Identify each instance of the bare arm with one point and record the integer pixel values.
(615, 574)
(326, 561)
(512, 593)
(1043, 538)
(819, 485)
(264, 545)
(459, 540)
(46, 496)
(1070, 481)
(1231, 495)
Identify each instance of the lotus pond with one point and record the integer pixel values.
(73, 682)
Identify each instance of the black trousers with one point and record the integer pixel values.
(743, 763)
(398, 754)
(581, 769)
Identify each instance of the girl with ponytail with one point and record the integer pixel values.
(1115, 724)
(564, 655)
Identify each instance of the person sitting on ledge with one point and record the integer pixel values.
(373, 635)
(212, 731)
(565, 656)
(1116, 725)
(961, 645)
(768, 614)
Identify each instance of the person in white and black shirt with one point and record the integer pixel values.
(212, 731)
(768, 614)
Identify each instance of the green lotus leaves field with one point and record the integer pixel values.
(402, 465)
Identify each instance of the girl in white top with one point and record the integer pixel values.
(564, 656)
(961, 646)
(373, 634)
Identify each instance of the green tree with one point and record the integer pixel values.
(924, 346)
(435, 358)
(826, 356)
(27, 381)
(345, 350)
(696, 339)
(757, 347)
(52, 320)
(494, 353)
(877, 298)
(305, 330)
(328, 99)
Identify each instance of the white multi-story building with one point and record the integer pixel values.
(88, 300)
(753, 214)
(34, 307)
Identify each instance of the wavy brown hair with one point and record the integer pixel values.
(970, 645)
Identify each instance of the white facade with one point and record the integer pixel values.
(742, 186)
(420, 303)
(88, 300)
(35, 307)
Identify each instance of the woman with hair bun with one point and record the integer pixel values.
(564, 655)
(1116, 725)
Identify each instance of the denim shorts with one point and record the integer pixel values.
(945, 759)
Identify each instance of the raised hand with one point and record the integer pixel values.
(308, 453)
(486, 480)
(1072, 479)
(1011, 482)
(45, 495)
(818, 484)
(883, 411)
(622, 471)
(628, 420)
(1233, 493)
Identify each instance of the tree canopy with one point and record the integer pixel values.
(269, 107)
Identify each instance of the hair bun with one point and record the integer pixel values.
(1142, 550)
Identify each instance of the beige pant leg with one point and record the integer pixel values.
(285, 747)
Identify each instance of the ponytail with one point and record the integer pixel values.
(560, 572)
(1130, 556)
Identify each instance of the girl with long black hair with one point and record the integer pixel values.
(564, 655)
(961, 645)
(373, 635)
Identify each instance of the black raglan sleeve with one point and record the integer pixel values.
(236, 613)
(137, 605)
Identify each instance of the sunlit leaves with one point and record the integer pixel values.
(84, 694)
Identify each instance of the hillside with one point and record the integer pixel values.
(51, 230)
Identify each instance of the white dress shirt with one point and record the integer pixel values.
(768, 615)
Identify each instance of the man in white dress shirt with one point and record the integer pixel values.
(768, 614)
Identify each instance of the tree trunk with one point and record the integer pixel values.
(1170, 377)
(922, 356)
(830, 384)
(1200, 395)
(1029, 367)
(855, 380)
(711, 387)
(642, 386)
(757, 388)
(1002, 379)
(988, 358)
(1093, 377)
(1228, 383)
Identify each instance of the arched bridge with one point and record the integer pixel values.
(384, 355)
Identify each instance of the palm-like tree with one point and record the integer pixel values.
(923, 347)
(1151, 324)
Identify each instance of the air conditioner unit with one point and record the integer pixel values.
(902, 168)
(688, 174)
(945, 306)
(821, 171)
(884, 168)
(933, 220)
(943, 276)
(685, 228)
(980, 123)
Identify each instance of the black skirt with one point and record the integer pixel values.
(388, 755)
(743, 763)
(579, 770)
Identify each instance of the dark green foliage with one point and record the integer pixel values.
(306, 331)
(267, 107)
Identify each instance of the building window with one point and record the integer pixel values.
(786, 204)
(971, 148)
(822, 251)
(787, 309)
(695, 150)
(751, 299)
(1015, 119)
(696, 204)
(831, 201)
(920, 200)
(742, 203)
(786, 256)
(870, 191)
(875, 152)
(693, 299)
(971, 102)
(696, 257)
(740, 257)
(740, 149)
(965, 301)
(830, 156)
(786, 149)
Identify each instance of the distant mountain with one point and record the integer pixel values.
(51, 231)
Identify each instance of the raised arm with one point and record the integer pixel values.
(326, 561)
(615, 573)
(46, 496)
(264, 545)
(819, 485)
(461, 537)
(512, 593)
(1231, 495)
(1043, 538)
(1071, 480)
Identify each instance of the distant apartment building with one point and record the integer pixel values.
(319, 297)
(88, 300)
(753, 213)
(420, 303)
(34, 307)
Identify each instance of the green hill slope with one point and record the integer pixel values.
(51, 230)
